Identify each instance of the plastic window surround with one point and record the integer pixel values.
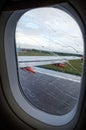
(38, 117)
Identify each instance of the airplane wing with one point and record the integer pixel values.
(31, 61)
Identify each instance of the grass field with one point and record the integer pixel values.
(72, 67)
(33, 53)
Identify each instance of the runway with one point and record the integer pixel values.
(51, 94)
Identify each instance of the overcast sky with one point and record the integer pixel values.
(49, 29)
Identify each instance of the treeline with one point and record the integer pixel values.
(49, 52)
(33, 50)
(67, 54)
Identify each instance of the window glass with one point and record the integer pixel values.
(49, 46)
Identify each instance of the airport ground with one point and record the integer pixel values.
(54, 95)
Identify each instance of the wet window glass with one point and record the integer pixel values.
(49, 46)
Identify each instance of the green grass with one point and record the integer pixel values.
(72, 67)
(33, 53)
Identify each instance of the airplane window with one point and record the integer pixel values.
(49, 46)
